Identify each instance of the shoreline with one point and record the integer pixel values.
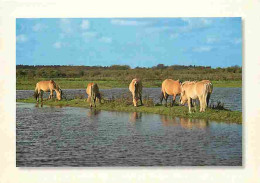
(123, 105)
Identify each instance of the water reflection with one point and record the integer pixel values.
(37, 104)
(50, 137)
(93, 112)
(135, 116)
(186, 123)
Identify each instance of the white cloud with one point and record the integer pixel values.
(85, 24)
(57, 45)
(128, 22)
(38, 27)
(195, 23)
(158, 29)
(174, 36)
(89, 34)
(212, 39)
(65, 25)
(105, 39)
(21, 38)
(202, 49)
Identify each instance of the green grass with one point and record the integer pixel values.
(125, 105)
(79, 83)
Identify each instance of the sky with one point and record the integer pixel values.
(137, 42)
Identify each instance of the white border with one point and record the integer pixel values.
(247, 9)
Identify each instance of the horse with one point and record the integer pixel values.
(93, 93)
(210, 89)
(47, 86)
(193, 90)
(170, 87)
(136, 88)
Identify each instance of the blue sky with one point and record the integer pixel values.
(143, 42)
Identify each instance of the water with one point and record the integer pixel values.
(231, 97)
(54, 136)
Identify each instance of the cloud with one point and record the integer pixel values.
(89, 34)
(174, 36)
(65, 25)
(85, 24)
(158, 29)
(128, 22)
(39, 27)
(195, 23)
(212, 39)
(57, 45)
(202, 49)
(105, 39)
(21, 38)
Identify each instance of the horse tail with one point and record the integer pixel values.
(36, 94)
(206, 92)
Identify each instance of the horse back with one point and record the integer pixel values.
(171, 87)
(46, 85)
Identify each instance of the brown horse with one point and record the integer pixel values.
(136, 88)
(93, 93)
(170, 87)
(47, 86)
(210, 89)
(193, 90)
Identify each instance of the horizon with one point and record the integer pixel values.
(175, 65)
(137, 42)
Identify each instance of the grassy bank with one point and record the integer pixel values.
(77, 83)
(125, 105)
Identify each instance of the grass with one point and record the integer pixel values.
(216, 113)
(79, 83)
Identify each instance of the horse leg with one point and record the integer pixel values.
(161, 97)
(94, 101)
(173, 99)
(166, 98)
(189, 104)
(42, 96)
(141, 99)
(51, 94)
(90, 102)
(208, 97)
(194, 104)
(38, 94)
(201, 103)
(205, 102)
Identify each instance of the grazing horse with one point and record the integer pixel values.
(47, 86)
(136, 88)
(193, 90)
(93, 93)
(170, 87)
(210, 89)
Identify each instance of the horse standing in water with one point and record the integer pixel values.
(170, 87)
(47, 86)
(93, 93)
(136, 88)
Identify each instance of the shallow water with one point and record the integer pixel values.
(231, 97)
(54, 136)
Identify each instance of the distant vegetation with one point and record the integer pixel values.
(120, 75)
(124, 72)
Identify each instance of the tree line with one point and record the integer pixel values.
(125, 72)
